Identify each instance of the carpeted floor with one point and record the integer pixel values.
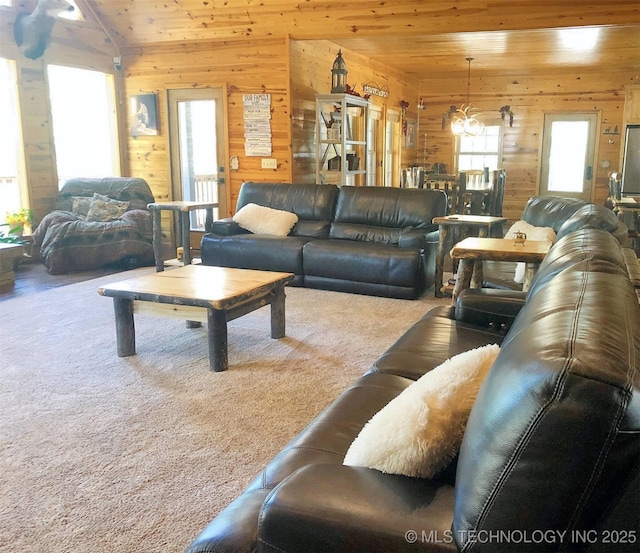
(107, 454)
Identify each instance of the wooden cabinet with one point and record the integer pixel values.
(342, 139)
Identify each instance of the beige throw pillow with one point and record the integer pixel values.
(259, 219)
(104, 209)
(80, 205)
(420, 431)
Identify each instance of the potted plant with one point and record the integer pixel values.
(19, 221)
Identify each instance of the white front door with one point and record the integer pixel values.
(568, 151)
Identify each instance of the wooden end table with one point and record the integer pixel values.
(183, 209)
(199, 293)
(464, 224)
(8, 253)
(471, 252)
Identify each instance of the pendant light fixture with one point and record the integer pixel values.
(464, 123)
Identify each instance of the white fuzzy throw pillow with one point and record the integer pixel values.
(533, 233)
(420, 431)
(265, 220)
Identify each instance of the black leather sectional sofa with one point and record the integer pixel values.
(550, 459)
(366, 240)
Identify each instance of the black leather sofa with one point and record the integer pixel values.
(550, 459)
(366, 240)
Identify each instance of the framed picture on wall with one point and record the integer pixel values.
(143, 115)
(410, 137)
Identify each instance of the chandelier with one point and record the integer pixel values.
(464, 123)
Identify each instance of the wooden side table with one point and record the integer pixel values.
(465, 225)
(8, 253)
(473, 251)
(183, 209)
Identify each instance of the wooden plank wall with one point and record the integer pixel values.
(530, 99)
(311, 63)
(239, 67)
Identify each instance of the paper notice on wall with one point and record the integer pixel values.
(257, 124)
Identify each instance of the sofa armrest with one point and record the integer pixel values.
(226, 227)
(417, 238)
(485, 307)
(325, 507)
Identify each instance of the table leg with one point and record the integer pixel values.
(442, 236)
(157, 239)
(217, 334)
(185, 236)
(530, 269)
(477, 276)
(463, 277)
(208, 222)
(125, 329)
(277, 312)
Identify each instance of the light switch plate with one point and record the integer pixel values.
(269, 163)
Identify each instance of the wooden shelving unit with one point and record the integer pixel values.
(341, 139)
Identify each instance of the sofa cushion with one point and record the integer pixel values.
(254, 251)
(550, 211)
(362, 262)
(432, 340)
(391, 208)
(310, 202)
(419, 432)
(265, 220)
(593, 216)
(103, 209)
(568, 250)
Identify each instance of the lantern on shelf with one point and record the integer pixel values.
(339, 75)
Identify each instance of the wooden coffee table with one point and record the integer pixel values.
(471, 252)
(198, 293)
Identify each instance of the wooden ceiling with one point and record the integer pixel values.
(420, 38)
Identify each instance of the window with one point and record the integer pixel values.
(84, 122)
(12, 198)
(478, 152)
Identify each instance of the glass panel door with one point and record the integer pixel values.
(392, 149)
(567, 154)
(196, 120)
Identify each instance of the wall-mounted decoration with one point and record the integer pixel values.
(404, 106)
(410, 137)
(506, 111)
(257, 124)
(143, 115)
(375, 90)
